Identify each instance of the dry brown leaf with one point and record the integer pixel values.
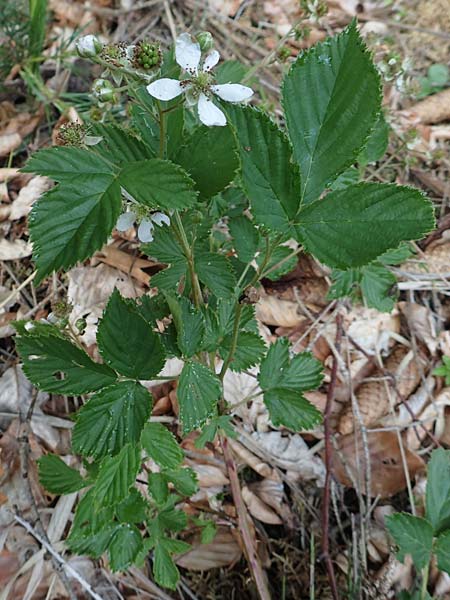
(421, 323)
(250, 459)
(433, 109)
(27, 196)
(435, 259)
(373, 397)
(221, 552)
(274, 311)
(9, 565)
(127, 263)
(9, 142)
(208, 475)
(271, 492)
(259, 509)
(387, 475)
(14, 250)
(373, 330)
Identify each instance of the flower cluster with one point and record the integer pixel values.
(198, 86)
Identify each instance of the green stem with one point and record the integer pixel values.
(423, 589)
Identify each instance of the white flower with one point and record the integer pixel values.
(146, 226)
(199, 86)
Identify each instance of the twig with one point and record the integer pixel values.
(17, 290)
(58, 559)
(328, 455)
(248, 539)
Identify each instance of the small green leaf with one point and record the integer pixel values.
(230, 71)
(437, 500)
(376, 283)
(161, 445)
(291, 409)
(158, 183)
(442, 551)
(116, 475)
(282, 261)
(166, 249)
(245, 238)
(376, 146)
(133, 509)
(249, 350)
(124, 546)
(164, 569)
(331, 98)
(352, 227)
(271, 181)
(413, 535)
(214, 271)
(438, 74)
(184, 480)
(158, 488)
(209, 156)
(189, 323)
(54, 364)
(57, 477)
(198, 392)
(127, 342)
(113, 417)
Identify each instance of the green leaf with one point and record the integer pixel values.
(127, 342)
(133, 509)
(352, 227)
(158, 488)
(189, 323)
(249, 350)
(348, 177)
(170, 518)
(174, 546)
(113, 417)
(437, 500)
(245, 238)
(442, 551)
(331, 98)
(71, 221)
(161, 445)
(215, 272)
(118, 145)
(116, 475)
(158, 183)
(166, 249)
(438, 74)
(209, 156)
(210, 430)
(164, 569)
(184, 480)
(377, 143)
(230, 71)
(283, 380)
(271, 182)
(198, 392)
(282, 261)
(376, 283)
(124, 546)
(413, 535)
(54, 364)
(57, 477)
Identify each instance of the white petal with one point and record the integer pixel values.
(187, 53)
(209, 114)
(160, 219)
(165, 89)
(145, 231)
(232, 92)
(211, 60)
(125, 221)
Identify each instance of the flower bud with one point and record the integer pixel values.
(88, 46)
(103, 90)
(206, 41)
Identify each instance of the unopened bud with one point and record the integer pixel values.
(88, 46)
(103, 90)
(206, 40)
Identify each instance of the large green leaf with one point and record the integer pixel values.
(57, 477)
(283, 380)
(331, 98)
(124, 546)
(161, 446)
(127, 342)
(116, 475)
(112, 418)
(73, 220)
(442, 551)
(54, 364)
(413, 535)
(271, 181)
(164, 569)
(352, 227)
(209, 156)
(198, 392)
(158, 183)
(437, 500)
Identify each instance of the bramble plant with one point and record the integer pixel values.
(216, 188)
(422, 537)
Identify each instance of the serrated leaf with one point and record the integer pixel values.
(158, 487)
(184, 480)
(71, 221)
(209, 156)
(113, 417)
(245, 238)
(230, 71)
(124, 546)
(175, 520)
(348, 177)
(249, 350)
(437, 499)
(331, 99)
(161, 446)
(133, 509)
(282, 261)
(158, 183)
(166, 249)
(352, 227)
(127, 342)
(413, 535)
(442, 551)
(376, 283)
(283, 380)
(189, 323)
(174, 546)
(198, 392)
(214, 271)
(57, 477)
(54, 364)
(116, 475)
(164, 569)
(118, 145)
(377, 143)
(271, 181)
